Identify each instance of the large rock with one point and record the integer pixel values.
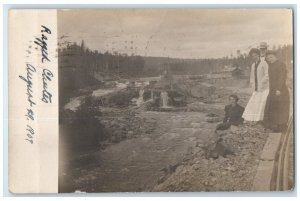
(202, 90)
(218, 148)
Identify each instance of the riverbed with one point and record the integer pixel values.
(170, 157)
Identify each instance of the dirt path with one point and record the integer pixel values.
(138, 164)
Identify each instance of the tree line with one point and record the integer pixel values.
(78, 65)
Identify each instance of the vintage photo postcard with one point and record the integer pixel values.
(151, 100)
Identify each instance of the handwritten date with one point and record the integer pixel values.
(28, 79)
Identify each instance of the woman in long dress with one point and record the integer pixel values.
(278, 104)
(259, 81)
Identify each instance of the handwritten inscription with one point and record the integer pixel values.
(28, 79)
(47, 77)
(42, 42)
(29, 114)
(30, 134)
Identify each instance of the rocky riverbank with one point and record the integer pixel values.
(174, 149)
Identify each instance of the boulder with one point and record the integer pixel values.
(202, 90)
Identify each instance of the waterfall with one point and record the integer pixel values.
(140, 100)
(164, 98)
(152, 95)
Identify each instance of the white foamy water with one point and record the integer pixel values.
(74, 103)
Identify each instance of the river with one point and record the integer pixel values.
(75, 102)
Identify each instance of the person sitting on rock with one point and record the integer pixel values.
(233, 114)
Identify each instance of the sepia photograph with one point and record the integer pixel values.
(175, 100)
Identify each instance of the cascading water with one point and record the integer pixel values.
(164, 98)
(140, 99)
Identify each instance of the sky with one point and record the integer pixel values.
(177, 33)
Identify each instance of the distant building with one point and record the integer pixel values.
(226, 72)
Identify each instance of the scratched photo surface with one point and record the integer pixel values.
(175, 100)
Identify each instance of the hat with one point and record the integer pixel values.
(235, 97)
(271, 52)
(254, 51)
(263, 45)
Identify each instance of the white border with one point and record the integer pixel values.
(110, 2)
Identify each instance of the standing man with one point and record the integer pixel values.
(263, 47)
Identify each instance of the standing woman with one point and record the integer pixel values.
(278, 105)
(259, 81)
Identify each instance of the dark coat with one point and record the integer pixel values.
(277, 107)
(233, 114)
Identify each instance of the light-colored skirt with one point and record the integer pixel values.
(255, 108)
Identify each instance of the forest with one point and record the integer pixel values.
(79, 65)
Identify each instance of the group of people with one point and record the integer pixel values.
(270, 101)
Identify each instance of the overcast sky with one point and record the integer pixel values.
(181, 33)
